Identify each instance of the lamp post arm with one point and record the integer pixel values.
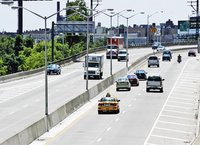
(29, 11)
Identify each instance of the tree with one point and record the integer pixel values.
(18, 44)
(28, 42)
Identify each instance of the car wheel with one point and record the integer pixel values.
(84, 77)
(147, 90)
(148, 65)
(129, 89)
(117, 89)
(161, 90)
(157, 65)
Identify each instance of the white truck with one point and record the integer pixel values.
(95, 66)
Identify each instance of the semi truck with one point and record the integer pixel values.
(95, 66)
(114, 43)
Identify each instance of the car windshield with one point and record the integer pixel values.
(154, 78)
(122, 52)
(140, 71)
(108, 99)
(93, 65)
(52, 66)
(153, 58)
(113, 47)
(122, 79)
(132, 76)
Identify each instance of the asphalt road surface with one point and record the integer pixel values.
(153, 118)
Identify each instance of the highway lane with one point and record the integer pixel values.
(145, 118)
(22, 101)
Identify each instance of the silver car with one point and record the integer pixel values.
(153, 60)
(123, 83)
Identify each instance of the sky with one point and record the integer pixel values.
(172, 9)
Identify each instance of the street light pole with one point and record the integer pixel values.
(111, 16)
(87, 41)
(46, 78)
(127, 18)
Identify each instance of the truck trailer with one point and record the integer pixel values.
(95, 66)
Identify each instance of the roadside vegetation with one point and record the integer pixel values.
(23, 54)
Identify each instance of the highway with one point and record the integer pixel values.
(152, 118)
(22, 101)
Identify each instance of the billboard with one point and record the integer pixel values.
(183, 25)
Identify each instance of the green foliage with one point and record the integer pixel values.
(18, 44)
(3, 68)
(28, 42)
(73, 15)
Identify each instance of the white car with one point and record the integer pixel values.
(161, 48)
(123, 55)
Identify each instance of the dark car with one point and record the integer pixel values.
(192, 53)
(133, 79)
(166, 57)
(141, 74)
(168, 52)
(53, 69)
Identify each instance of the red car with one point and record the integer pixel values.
(192, 53)
(133, 79)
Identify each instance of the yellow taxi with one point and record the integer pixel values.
(108, 104)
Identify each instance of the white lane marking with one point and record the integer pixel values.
(182, 112)
(183, 118)
(11, 113)
(165, 103)
(168, 122)
(192, 99)
(180, 102)
(117, 119)
(37, 85)
(178, 107)
(152, 144)
(108, 129)
(99, 139)
(173, 130)
(25, 106)
(37, 100)
(171, 138)
(129, 105)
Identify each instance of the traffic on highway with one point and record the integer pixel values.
(138, 116)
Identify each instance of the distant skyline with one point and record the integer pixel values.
(172, 9)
